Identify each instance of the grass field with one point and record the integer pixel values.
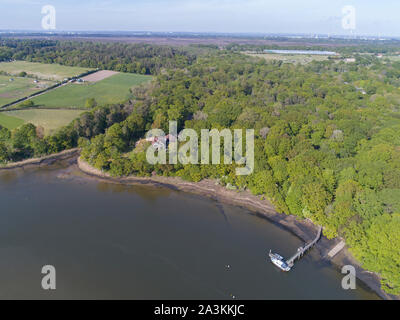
(289, 58)
(111, 90)
(19, 88)
(394, 58)
(10, 122)
(50, 120)
(73, 95)
(54, 72)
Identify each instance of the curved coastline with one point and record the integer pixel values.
(303, 229)
(49, 159)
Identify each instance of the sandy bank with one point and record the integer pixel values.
(42, 160)
(304, 229)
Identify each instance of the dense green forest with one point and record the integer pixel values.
(134, 58)
(327, 142)
(342, 46)
(324, 150)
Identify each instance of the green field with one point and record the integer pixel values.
(54, 72)
(50, 120)
(10, 122)
(394, 58)
(111, 90)
(289, 58)
(19, 88)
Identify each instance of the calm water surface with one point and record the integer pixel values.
(140, 242)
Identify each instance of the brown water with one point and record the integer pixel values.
(139, 242)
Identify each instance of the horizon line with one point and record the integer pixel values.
(215, 33)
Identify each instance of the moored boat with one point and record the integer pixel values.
(279, 261)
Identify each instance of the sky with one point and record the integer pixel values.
(372, 17)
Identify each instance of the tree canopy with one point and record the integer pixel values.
(327, 146)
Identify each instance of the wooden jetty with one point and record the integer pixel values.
(302, 250)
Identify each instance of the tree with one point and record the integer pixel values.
(4, 157)
(382, 247)
(5, 134)
(27, 104)
(90, 103)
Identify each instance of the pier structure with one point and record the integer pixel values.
(302, 250)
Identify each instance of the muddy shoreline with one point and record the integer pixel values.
(303, 229)
(45, 160)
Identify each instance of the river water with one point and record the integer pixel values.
(109, 241)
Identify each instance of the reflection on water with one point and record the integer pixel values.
(108, 240)
(8, 176)
(146, 193)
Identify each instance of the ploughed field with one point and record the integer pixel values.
(99, 75)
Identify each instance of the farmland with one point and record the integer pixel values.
(99, 75)
(17, 88)
(106, 87)
(56, 108)
(53, 72)
(111, 90)
(10, 122)
(289, 58)
(394, 58)
(50, 120)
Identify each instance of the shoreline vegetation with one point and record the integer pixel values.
(48, 159)
(303, 229)
(326, 142)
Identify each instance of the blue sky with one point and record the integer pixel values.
(373, 17)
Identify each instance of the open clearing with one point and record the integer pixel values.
(10, 122)
(394, 58)
(19, 88)
(289, 58)
(50, 120)
(54, 72)
(111, 90)
(99, 75)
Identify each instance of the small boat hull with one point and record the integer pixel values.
(279, 262)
